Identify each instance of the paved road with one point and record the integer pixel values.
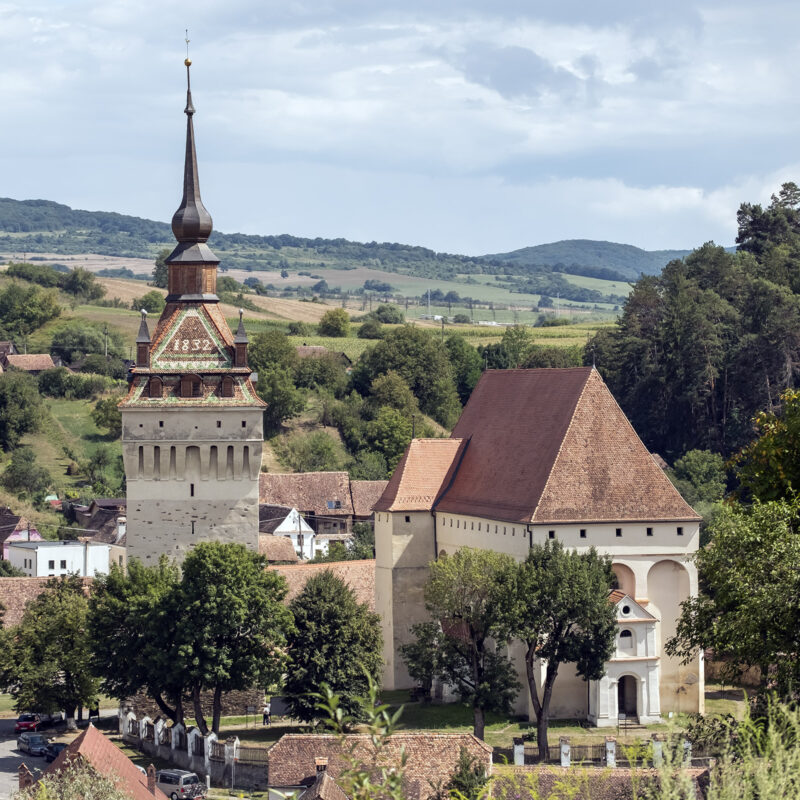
(10, 759)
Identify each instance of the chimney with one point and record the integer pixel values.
(25, 777)
(321, 764)
(151, 779)
(122, 523)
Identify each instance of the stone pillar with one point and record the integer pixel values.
(142, 726)
(519, 753)
(158, 727)
(611, 751)
(175, 737)
(121, 721)
(565, 749)
(212, 737)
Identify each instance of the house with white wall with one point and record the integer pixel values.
(51, 559)
(540, 455)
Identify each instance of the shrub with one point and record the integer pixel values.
(335, 322)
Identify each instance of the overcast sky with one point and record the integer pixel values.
(470, 126)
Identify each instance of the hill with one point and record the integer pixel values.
(596, 259)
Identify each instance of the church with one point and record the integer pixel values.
(192, 423)
(548, 454)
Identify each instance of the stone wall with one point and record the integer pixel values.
(233, 704)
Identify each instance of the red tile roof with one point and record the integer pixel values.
(552, 445)
(421, 475)
(358, 575)
(276, 548)
(365, 496)
(324, 788)
(431, 757)
(16, 593)
(32, 362)
(105, 757)
(308, 492)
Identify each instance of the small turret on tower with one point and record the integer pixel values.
(240, 342)
(143, 343)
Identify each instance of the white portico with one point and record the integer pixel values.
(630, 688)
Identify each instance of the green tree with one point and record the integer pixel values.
(152, 302)
(336, 641)
(76, 780)
(700, 476)
(517, 341)
(468, 593)
(335, 322)
(21, 409)
(133, 628)
(552, 356)
(466, 365)
(326, 373)
(390, 434)
(23, 309)
(161, 270)
(7, 571)
(311, 452)
(277, 389)
(422, 654)
(51, 657)
(369, 466)
(233, 624)
(468, 780)
(747, 610)
(391, 391)
(562, 615)
(106, 414)
(370, 329)
(23, 475)
(75, 340)
(299, 329)
(82, 284)
(270, 349)
(363, 544)
(389, 314)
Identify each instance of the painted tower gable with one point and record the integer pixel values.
(192, 425)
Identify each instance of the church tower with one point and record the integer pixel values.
(192, 423)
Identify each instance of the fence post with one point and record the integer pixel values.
(519, 752)
(158, 726)
(658, 750)
(175, 738)
(209, 740)
(565, 749)
(687, 753)
(231, 753)
(121, 721)
(611, 751)
(130, 721)
(143, 723)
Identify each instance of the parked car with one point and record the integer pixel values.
(33, 743)
(52, 750)
(27, 722)
(179, 783)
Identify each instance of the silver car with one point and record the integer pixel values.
(178, 784)
(33, 743)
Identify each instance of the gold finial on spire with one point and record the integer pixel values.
(187, 60)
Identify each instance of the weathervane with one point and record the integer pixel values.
(187, 40)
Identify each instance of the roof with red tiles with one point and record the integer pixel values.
(16, 593)
(31, 362)
(276, 548)
(358, 575)
(422, 474)
(431, 757)
(365, 496)
(324, 788)
(325, 494)
(106, 758)
(552, 445)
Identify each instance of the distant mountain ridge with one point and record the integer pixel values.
(47, 226)
(626, 260)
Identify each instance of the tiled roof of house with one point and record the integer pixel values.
(105, 526)
(324, 788)
(317, 492)
(276, 548)
(424, 470)
(270, 516)
(32, 362)
(615, 596)
(544, 782)
(107, 759)
(16, 593)
(116, 503)
(358, 575)
(431, 757)
(365, 495)
(318, 351)
(552, 445)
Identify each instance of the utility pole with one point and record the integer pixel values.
(442, 329)
(429, 302)
(105, 341)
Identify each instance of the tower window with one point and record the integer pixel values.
(649, 531)
(155, 387)
(192, 528)
(244, 423)
(680, 531)
(583, 533)
(227, 386)
(551, 534)
(619, 531)
(408, 518)
(191, 490)
(161, 423)
(219, 423)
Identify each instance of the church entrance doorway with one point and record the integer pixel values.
(626, 697)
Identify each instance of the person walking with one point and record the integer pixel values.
(265, 715)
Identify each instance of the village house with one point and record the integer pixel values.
(302, 762)
(318, 351)
(32, 363)
(97, 751)
(15, 528)
(539, 455)
(285, 522)
(52, 559)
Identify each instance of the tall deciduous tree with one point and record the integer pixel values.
(50, 652)
(466, 364)
(21, 408)
(748, 610)
(270, 349)
(562, 614)
(133, 626)
(336, 641)
(335, 322)
(277, 389)
(468, 594)
(160, 269)
(233, 623)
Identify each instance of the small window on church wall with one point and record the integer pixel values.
(680, 531)
(551, 534)
(472, 526)
(191, 490)
(626, 640)
(219, 423)
(649, 531)
(408, 518)
(161, 423)
(244, 423)
(619, 531)
(583, 533)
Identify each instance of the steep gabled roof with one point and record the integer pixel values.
(31, 362)
(358, 575)
(431, 757)
(276, 548)
(365, 495)
(107, 759)
(324, 788)
(308, 491)
(422, 473)
(552, 445)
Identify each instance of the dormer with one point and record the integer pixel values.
(636, 628)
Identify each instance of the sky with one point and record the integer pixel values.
(468, 126)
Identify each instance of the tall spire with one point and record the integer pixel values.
(191, 222)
